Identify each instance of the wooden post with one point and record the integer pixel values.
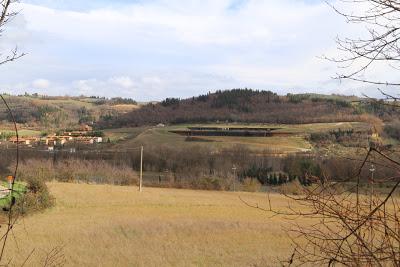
(141, 169)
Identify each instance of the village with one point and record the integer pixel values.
(84, 135)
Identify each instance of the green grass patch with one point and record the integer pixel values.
(134, 137)
(122, 134)
(19, 191)
(22, 132)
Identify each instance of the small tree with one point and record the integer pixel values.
(6, 14)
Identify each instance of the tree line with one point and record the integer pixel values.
(192, 167)
(242, 105)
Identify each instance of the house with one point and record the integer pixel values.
(76, 133)
(85, 140)
(85, 128)
(61, 141)
(66, 137)
(33, 140)
(98, 139)
(51, 142)
(20, 141)
(44, 140)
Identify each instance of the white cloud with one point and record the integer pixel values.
(86, 87)
(112, 87)
(195, 22)
(159, 48)
(122, 81)
(41, 84)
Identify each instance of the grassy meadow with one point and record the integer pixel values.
(102, 225)
(133, 137)
(21, 133)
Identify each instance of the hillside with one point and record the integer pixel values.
(44, 112)
(296, 138)
(36, 112)
(242, 105)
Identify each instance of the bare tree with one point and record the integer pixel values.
(356, 228)
(348, 222)
(380, 44)
(352, 225)
(5, 16)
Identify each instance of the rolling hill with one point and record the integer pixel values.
(242, 106)
(60, 112)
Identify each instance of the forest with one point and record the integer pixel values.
(251, 106)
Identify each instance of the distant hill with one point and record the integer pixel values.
(39, 112)
(243, 105)
(44, 112)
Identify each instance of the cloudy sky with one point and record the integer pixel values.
(152, 49)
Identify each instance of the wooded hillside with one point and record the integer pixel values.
(58, 112)
(242, 105)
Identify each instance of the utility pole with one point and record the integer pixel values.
(234, 177)
(141, 169)
(372, 170)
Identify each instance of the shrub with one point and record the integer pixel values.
(251, 185)
(292, 188)
(208, 183)
(36, 198)
(393, 130)
(87, 171)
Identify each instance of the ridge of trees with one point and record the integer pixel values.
(247, 106)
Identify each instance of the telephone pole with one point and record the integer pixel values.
(371, 184)
(141, 169)
(234, 178)
(371, 195)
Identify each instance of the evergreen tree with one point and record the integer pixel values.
(274, 179)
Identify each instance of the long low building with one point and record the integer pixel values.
(231, 131)
(234, 128)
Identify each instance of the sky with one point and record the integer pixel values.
(153, 49)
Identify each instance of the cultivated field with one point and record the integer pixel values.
(101, 225)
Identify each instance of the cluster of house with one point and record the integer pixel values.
(81, 136)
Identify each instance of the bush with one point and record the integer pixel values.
(393, 130)
(292, 188)
(208, 183)
(251, 185)
(36, 198)
(86, 171)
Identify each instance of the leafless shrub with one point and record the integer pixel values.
(292, 188)
(352, 229)
(5, 16)
(352, 226)
(250, 185)
(209, 183)
(81, 171)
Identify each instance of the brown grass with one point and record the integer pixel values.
(80, 171)
(125, 107)
(103, 225)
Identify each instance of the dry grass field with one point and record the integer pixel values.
(101, 225)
